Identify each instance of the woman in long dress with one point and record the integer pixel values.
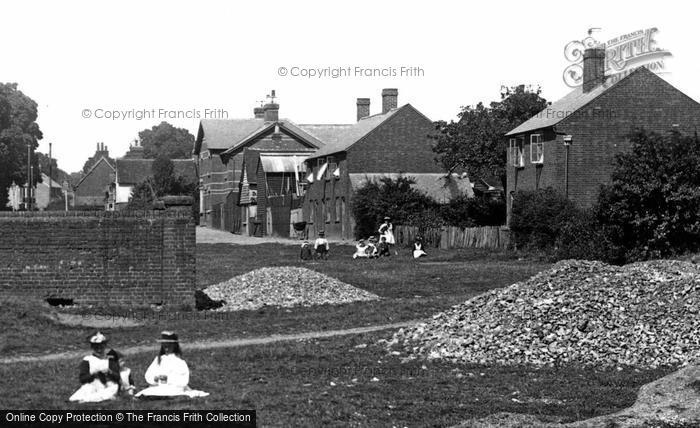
(168, 374)
(99, 374)
(386, 230)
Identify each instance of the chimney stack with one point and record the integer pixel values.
(259, 113)
(271, 112)
(389, 99)
(593, 67)
(362, 108)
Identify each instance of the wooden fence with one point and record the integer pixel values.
(496, 237)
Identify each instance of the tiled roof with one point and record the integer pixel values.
(327, 133)
(560, 109)
(220, 134)
(133, 171)
(437, 186)
(355, 133)
(94, 166)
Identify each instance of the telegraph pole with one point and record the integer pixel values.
(29, 177)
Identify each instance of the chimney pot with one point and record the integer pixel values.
(389, 99)
(362, 108)
(271, 112)
(593, 67)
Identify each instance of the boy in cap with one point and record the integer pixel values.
(321, 246)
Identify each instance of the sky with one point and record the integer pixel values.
(101, 71)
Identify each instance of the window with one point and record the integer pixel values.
(536, 149)
(517, 157)
(327, 210)
(332, 165)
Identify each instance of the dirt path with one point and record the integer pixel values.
(213, 344)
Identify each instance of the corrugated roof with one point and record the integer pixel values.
(562, 108)
(133, 171)
(437, 186)
(355, 133)
(282, 163)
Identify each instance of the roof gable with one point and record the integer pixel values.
(94, 167)
(285, 126)
(361, 130)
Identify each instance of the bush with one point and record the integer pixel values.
(474, 212)
(652, 206)
(537, 217)
(582, 237)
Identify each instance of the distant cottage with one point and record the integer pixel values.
(91, 190)
(571, 144)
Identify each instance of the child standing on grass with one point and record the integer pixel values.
(418, 248)
(305, 253)
(321, 246)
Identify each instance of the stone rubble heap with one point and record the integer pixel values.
(283, 286)
(643, 314)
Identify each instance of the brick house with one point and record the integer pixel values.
(383, 145)
(219, 148)
(596, 118)
(92, 189)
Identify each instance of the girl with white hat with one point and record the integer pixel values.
(99, 374)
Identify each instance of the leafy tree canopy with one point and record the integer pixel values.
(167, 140)
(18, 128)
(476, 142)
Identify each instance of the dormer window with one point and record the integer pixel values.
(536, 149)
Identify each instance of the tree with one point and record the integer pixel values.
(162, 181)
(165, 139)
(58, 174)
(476, 142)
(18, 128)
(652, 205)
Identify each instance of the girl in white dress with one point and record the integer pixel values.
(99, 374)
(168, 374)
(418, 248)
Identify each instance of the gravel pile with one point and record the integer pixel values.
(283, 286)
(642, 314)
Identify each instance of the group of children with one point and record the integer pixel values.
(368, 249)
(104, 375)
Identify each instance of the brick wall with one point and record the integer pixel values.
(399, 145)
(107, 258)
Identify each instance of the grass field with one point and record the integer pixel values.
(330, 382)
(409, 290)
(327, 381)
